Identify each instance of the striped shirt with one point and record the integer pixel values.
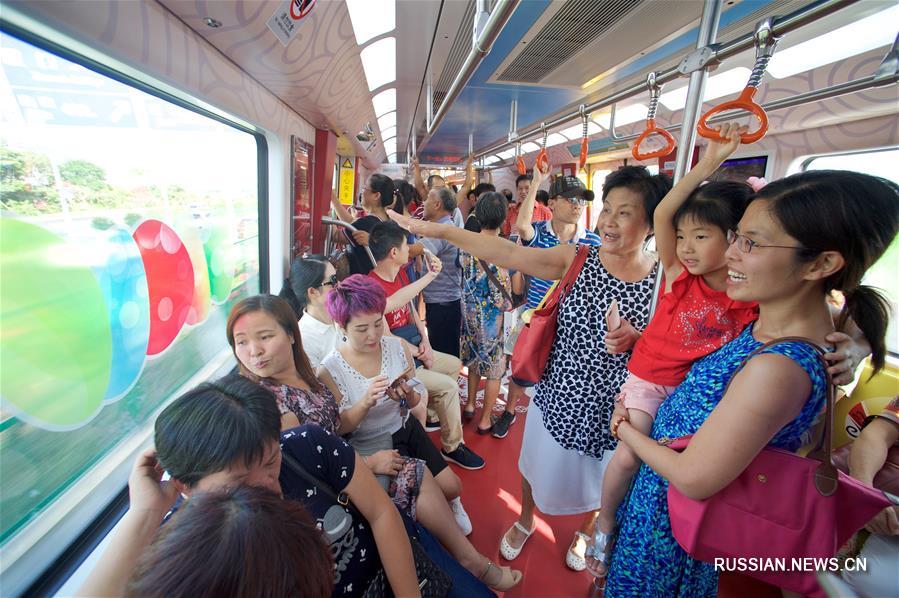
(544, 238)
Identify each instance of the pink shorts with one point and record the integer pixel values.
(637, 393)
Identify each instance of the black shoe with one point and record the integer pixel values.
(432, 426)
(501, 425)
(464, 457)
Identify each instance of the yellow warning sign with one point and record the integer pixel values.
(347, 181)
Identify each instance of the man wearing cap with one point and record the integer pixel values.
(567, 199)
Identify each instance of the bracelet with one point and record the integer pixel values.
(614, 428)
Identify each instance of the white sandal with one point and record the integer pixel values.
(573, 561)
(509, 552)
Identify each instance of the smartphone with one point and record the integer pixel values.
(613, 318)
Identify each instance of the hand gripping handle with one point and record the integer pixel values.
(744, 102)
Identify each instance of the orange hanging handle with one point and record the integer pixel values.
(519, 160)
(652, 129)
(765, 42)
(585, 144)
(655, 90)
(542, 158)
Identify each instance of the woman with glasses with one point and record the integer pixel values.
(788, 253)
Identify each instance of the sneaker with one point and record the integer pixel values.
(432, 425)
(502, 424)
(464, 457)
(461, 516)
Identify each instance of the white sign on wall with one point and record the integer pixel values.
(285, 22)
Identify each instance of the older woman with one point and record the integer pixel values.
(566, 443)
(787, 254)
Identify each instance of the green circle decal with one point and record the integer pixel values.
(55, 339)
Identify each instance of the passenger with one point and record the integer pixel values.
(225, 434)
(694, 316)
(438, 371)
(510, 197)
(788, 253)
(543, 197)
(377, 195)
(471, 223)
(488, 292)
(539, 213)
(312, 279)
(872, 460)
(259, 328)
(443, 298)
(203, 550)
(566, 447)
(569, 197)
(407, 203)
(435, 181)
(359, 373)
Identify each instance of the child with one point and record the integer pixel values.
(694, 316)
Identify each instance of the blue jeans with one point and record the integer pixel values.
(465, 585)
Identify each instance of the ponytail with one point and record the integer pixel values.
(291, 298)
(870, 311)
(307, 272)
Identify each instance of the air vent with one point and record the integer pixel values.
(459, 50)
(569, 31)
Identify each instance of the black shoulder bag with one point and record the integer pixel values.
(433, 582)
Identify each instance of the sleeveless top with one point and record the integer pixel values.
(577, 392)
(691, 321)
(384, 417)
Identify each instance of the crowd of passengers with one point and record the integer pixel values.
(310, 473)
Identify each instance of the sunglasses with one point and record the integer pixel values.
(576, 201)
(330, 281)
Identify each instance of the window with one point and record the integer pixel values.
(129, 226)
(882, 163)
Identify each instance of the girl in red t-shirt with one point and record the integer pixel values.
(694, 316)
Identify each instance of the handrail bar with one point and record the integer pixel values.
(779, 25)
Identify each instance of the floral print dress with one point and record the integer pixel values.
(483, 305)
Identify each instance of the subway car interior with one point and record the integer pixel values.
(163, 160)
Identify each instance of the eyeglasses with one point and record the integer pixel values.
(577, 201)
(745, 244)
(330, 281)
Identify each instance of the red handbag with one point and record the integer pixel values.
(782, 510)
(535, 341)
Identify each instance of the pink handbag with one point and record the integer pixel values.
(780, 511)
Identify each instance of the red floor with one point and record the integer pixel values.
(491, 497)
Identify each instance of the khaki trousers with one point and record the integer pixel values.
(443, 397)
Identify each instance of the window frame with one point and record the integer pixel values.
(44, 553)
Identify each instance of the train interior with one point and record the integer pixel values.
(163, 159)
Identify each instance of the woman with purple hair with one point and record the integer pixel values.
(372, 376)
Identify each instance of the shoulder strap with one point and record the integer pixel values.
(342, 498)
(826, 476)
(574, 270)
(492, 278)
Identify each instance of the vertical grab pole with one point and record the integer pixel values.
(708, 32)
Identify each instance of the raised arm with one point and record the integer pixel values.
(387, 528)
(411, 291)
(150, 499)
(340, 209)
(549, 264)
(663, 218)
(417, 180)
(766, 395)
(468, 185)
(526, 209)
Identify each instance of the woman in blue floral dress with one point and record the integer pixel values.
(483, 303)
(789, 251)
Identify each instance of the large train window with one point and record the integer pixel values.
(129, 227)
(882, 163)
